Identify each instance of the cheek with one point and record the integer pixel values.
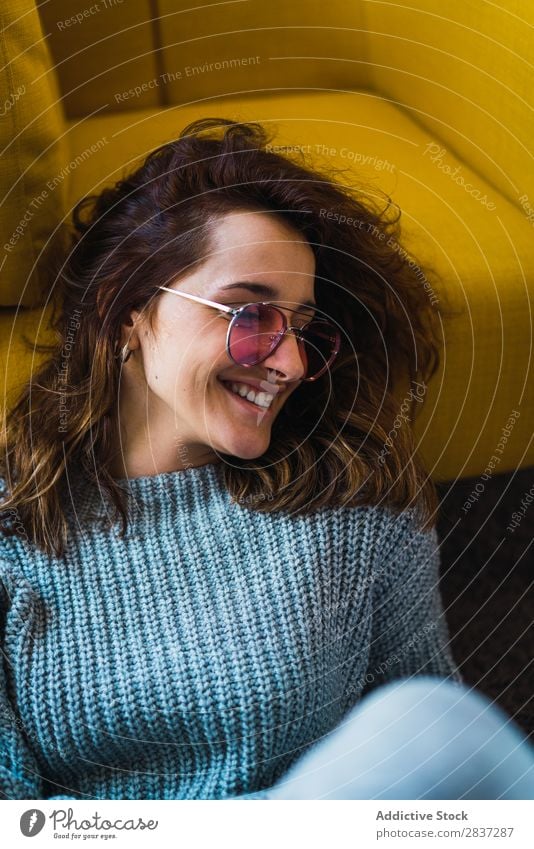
(205, 352)
(185, 364)
(164, 366)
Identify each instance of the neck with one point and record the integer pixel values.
(150, 441)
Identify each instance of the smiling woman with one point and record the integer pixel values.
(227, 396)
(204, 213)
(190, 385)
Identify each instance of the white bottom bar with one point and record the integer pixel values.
(267, 823)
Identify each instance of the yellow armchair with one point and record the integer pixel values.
(427, 101)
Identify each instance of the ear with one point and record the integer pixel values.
(127, 334)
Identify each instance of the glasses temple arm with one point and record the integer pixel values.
(224, 308)
(199, 300)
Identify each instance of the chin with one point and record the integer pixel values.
(246, 449)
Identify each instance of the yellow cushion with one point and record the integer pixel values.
(33, 153)
(464, 70)
(485, 256)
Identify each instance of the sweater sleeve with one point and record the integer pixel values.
(409, 630)
(19, 774)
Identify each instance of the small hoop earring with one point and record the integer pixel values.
(125, 353)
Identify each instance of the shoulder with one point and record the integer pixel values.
(384, 528)
(383, 538)
(403, 527)
(395, 540)
(407, 557)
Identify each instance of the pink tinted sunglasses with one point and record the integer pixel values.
(257, 329)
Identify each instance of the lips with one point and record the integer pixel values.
(244, 402)
(256, 385)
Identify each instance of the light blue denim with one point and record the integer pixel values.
(418, 738)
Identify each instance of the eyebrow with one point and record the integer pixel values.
(262, 289)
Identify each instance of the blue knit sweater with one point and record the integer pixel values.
(198, 657)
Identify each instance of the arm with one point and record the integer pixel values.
(19, 774)
(19, 778)
(409, 631)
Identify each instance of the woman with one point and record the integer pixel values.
(276, 557)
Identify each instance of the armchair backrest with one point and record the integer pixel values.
(136, 55)
(463, 70)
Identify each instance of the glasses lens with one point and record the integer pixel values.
(254, 333)
(319, 346)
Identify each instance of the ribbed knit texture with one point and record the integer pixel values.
(201, 655)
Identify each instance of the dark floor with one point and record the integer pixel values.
(488, 587)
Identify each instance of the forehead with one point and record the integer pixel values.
(261, 291)
(261, 258)
(260, 232)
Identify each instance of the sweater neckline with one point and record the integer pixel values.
(184, 486)
(176, 477)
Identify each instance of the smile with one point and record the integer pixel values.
(254, 397)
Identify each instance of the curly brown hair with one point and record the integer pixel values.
(328, 444)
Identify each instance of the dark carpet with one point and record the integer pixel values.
(487, 585)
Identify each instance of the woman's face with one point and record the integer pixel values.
(177, 387)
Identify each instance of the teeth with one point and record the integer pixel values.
(262, 399)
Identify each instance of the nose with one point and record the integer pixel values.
(287, 357)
